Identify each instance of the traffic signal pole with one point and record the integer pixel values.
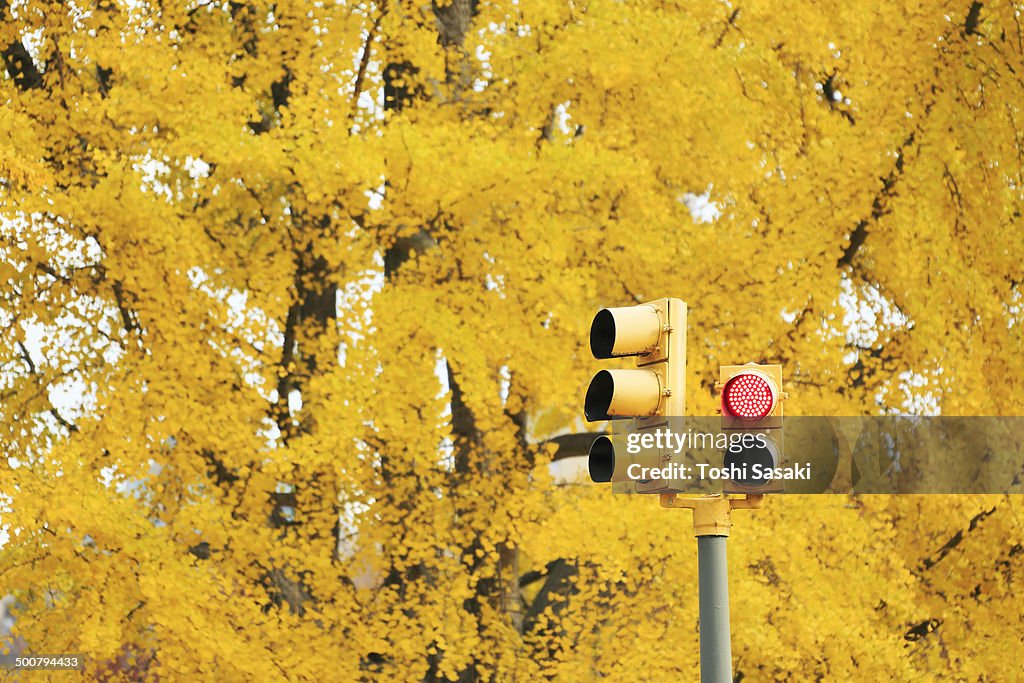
(713, 578)
(712, 519)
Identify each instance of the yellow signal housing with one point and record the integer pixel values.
(654, 333)
(752, 399)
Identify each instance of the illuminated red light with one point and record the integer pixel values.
(749, 396)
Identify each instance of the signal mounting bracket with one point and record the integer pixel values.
(712, 514)
(658, 352)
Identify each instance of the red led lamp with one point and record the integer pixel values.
(749, 396)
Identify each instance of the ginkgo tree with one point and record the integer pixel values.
(294, 305)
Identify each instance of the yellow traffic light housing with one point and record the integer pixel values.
(655, 334)
(752, 400)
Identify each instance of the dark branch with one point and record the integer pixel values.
(973, 19)
(27, 358)
(879, 207)
(553, 594)
(572, 445)
(953, 542)
(20, 66)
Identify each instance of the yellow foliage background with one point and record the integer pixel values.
(295, 299)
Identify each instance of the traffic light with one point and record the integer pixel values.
(655, 334)
(752, 399)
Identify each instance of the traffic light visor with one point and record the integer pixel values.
(622, 393)
(629, 331)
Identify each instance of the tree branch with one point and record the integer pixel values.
(364, 59)
(953, 542)
(19, 64)
(554, 593)
(572, 445)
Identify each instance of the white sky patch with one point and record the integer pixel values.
(562, 117)
(441, 372)
(569, 470)
(495, 283)
(867, 313)
(370, 101)
(375, 196)
(5, 507)
(702, 209)
(446, 449)
(483, 55)
(919, 395)
(505, 383)
(353, 311)
(197, 168)
(294, 401)
(1013, 309)
(33, 42)
(152, 172)
(889, 446)
(73, 398)
(870, 318)
(270, 432)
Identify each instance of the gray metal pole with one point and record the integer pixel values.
(713, 576)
